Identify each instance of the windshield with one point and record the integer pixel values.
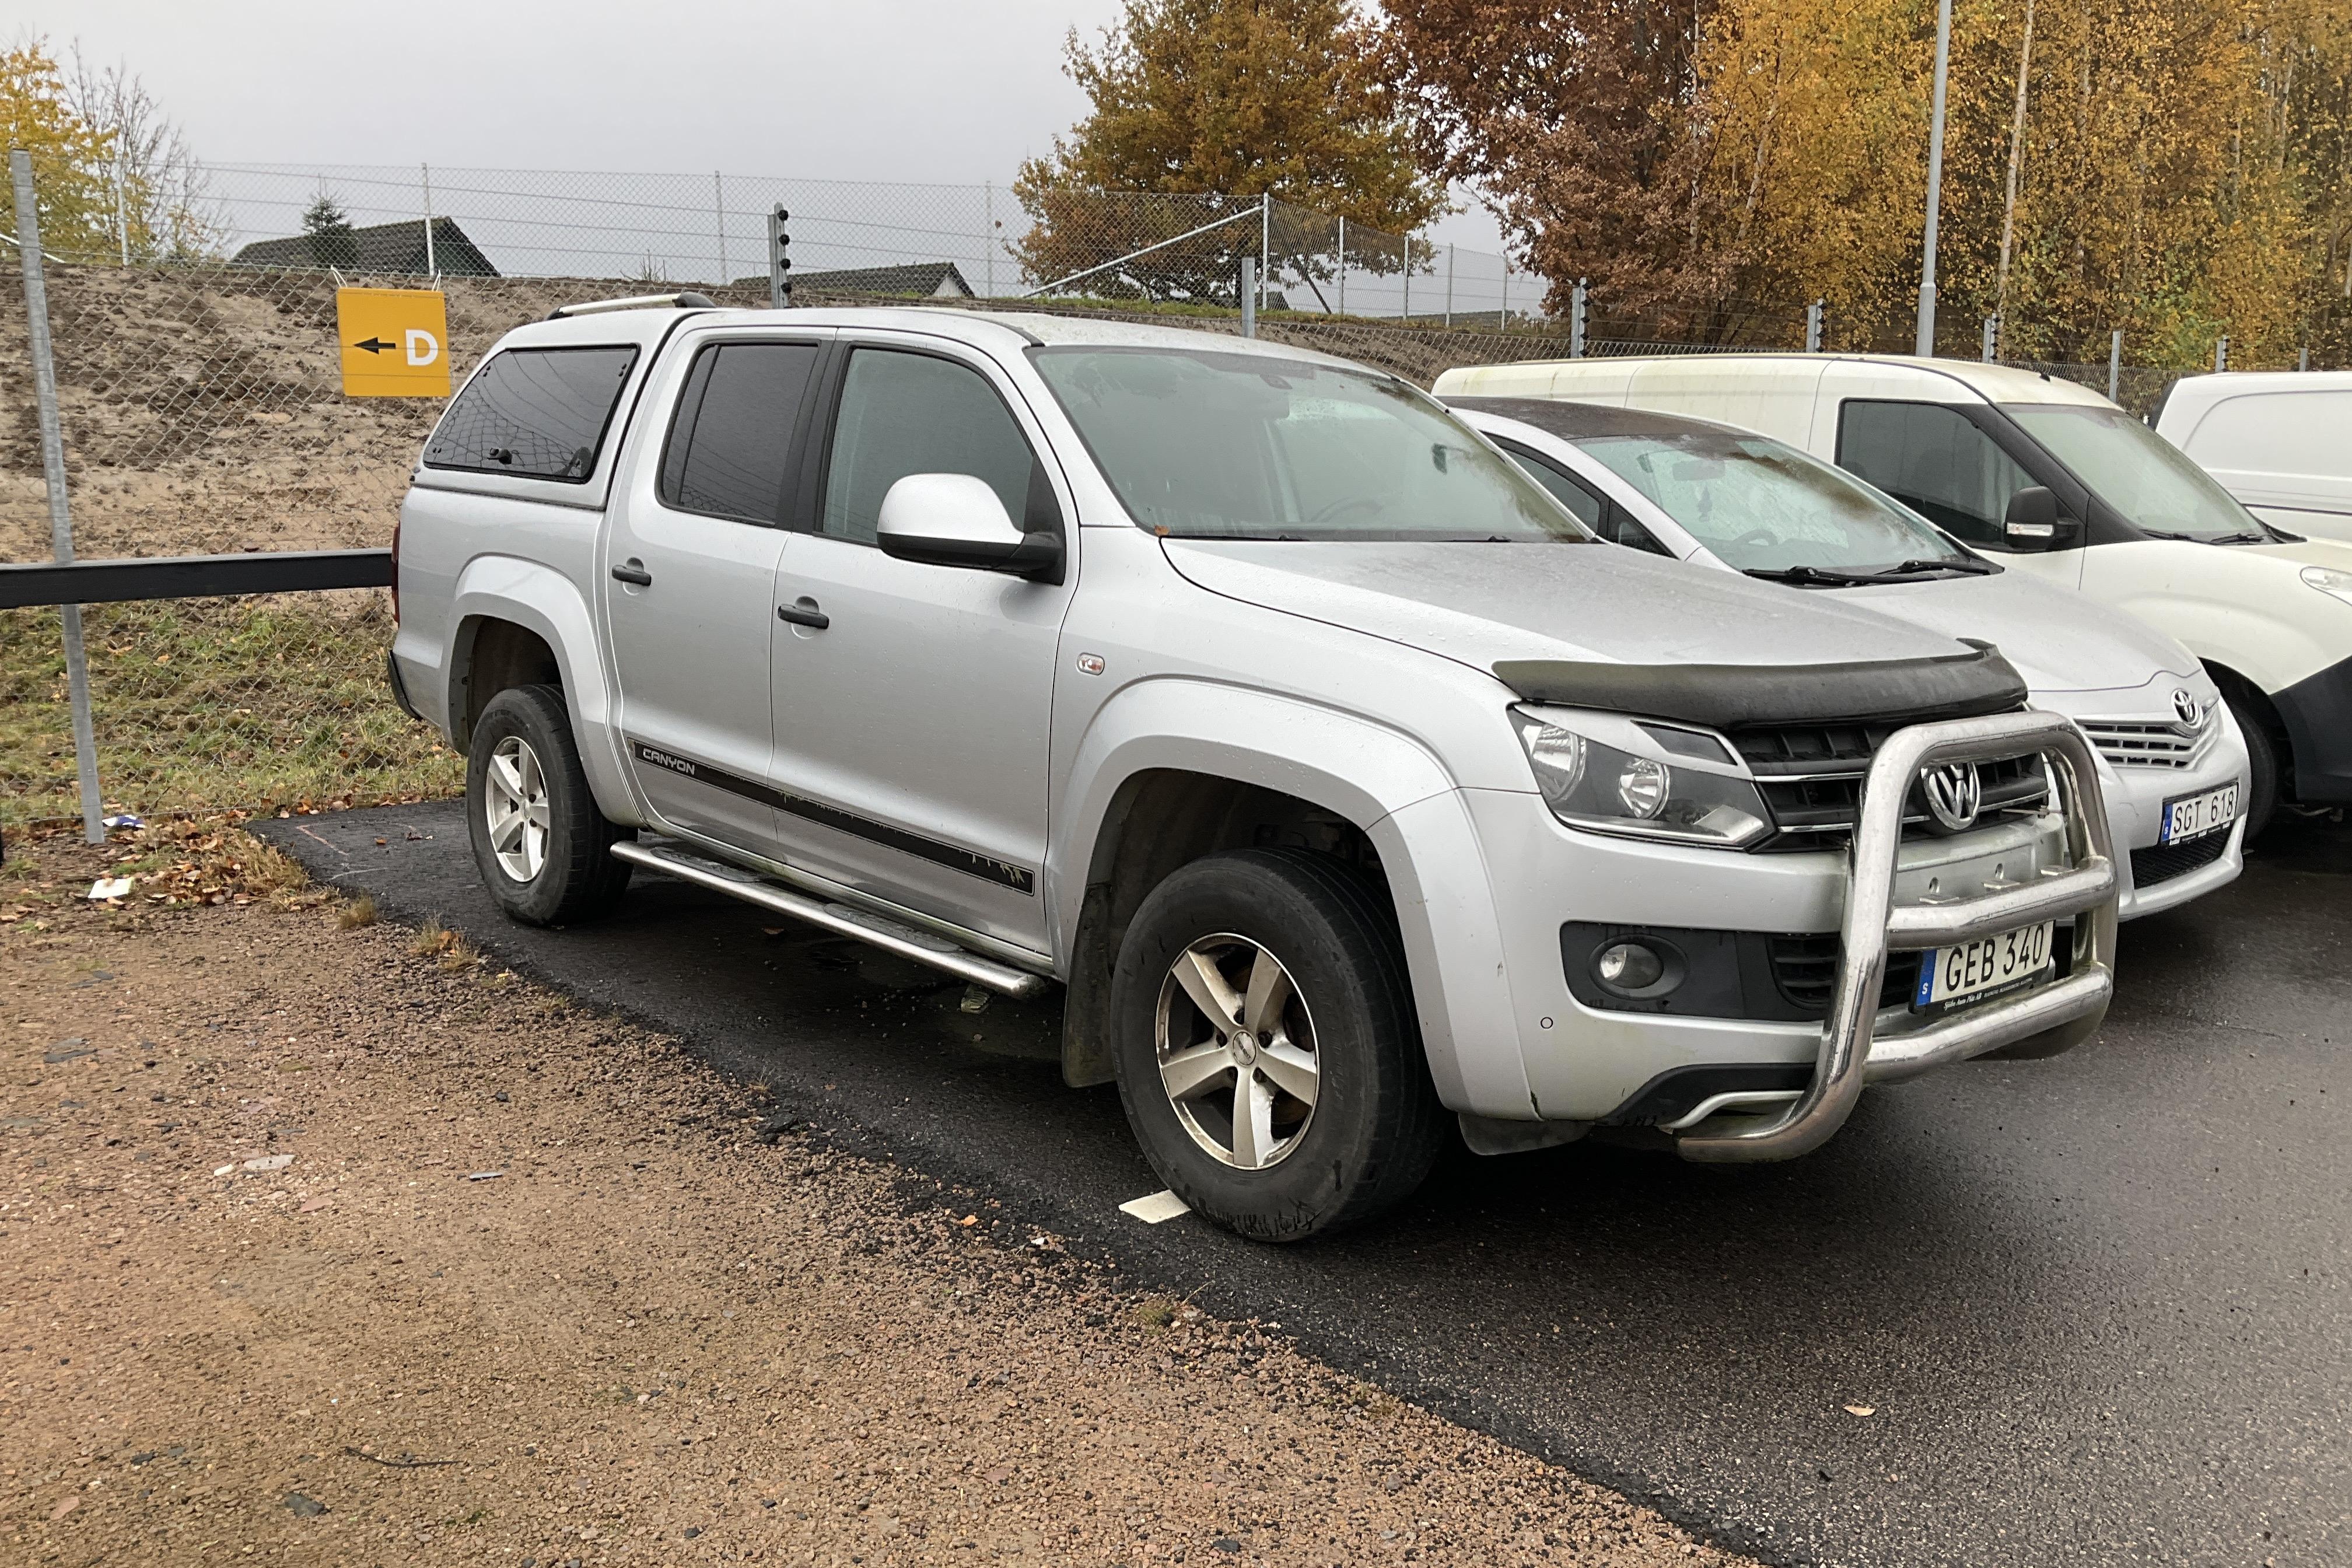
(2136, 471)
(1202, 445)
(1763, 506)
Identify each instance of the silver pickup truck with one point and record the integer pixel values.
(1255, 699)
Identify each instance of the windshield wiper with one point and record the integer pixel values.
(2240, 538)
(1965, 566)
(1820, 578)
(1902, 571)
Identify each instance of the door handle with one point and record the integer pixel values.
(632, 570)
(803, 612)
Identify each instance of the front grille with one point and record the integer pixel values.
(1811, 776)
(2143, 743)
(2162, 862)
(1804, 969)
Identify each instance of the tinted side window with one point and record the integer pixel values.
(539, 413)
(913, 413)
(732, 438)
(1593, 509)
(1934, 461)
(1565, 487)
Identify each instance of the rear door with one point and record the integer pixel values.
(690, 559)
(912, 726)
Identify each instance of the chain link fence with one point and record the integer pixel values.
(200, 401)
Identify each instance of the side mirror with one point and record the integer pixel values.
(2031, 520)
(956, 519)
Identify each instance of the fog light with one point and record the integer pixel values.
(1629, 967)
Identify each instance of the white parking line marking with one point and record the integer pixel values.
(1156, 1209)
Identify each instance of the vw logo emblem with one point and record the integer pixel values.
(1954, 795)
(2184, 703)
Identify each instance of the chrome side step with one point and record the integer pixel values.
(903, 941)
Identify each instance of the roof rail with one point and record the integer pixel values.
(687, 301)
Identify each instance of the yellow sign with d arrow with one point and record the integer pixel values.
(395, 341)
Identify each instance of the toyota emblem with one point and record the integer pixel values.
(2184, 702)
(1954, 795)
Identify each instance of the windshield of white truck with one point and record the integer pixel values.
(2138, 472)
(1203, 445)
(1765, 508)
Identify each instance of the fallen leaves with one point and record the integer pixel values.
(1862, 1410)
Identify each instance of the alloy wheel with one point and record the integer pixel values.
(1236, 1052)
(515, 808)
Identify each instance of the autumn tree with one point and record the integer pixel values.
(72, 157)
(1207, 105)
(113, 175)
(2182, 167)
(1576, 119)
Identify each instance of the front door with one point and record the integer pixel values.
(1941, 464)
(911, 726)
(690, 564)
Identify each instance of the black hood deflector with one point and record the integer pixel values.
(1735, 696)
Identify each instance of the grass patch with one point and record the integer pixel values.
(354, 914)
(259, 703)
(1155, 1313)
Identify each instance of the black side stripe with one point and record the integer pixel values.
(1005, 874)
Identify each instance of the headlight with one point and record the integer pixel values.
(2328, 580)
(1598, 787)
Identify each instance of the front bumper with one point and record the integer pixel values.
(1584, 1065)
(2056, 1015)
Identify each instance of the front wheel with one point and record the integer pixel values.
(542, 846)
(1267, 1053)
(2261, 763)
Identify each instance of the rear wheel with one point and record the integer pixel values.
(542, 846)
(1267, 1053)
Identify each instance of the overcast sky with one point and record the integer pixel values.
(867, 89)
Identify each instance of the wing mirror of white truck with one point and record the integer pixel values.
(956, 520)
(2032, 522)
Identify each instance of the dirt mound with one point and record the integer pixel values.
(203, 412)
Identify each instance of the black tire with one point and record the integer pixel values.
(1375, 1126)
(2262, 761)
(577, 877)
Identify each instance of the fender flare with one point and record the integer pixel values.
(543, 601)
(1379, 779)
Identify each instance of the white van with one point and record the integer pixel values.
(2053, 480)
(2282, 443)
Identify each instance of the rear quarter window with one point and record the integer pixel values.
(540, 413)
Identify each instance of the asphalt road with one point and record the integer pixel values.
(2099, 1305)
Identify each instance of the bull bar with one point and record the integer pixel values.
(2056, 1015)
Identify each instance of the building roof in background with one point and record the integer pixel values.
(921, 279)
(382, 247)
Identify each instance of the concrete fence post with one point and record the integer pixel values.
(1577, 299)
(53, 470)
(2114, 364)
(1813, 326)
(2222, 353)
(1249, 296)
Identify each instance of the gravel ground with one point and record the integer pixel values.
(325, 1242)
